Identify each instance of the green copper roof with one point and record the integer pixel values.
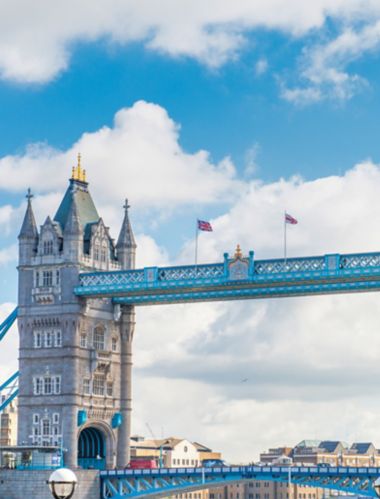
(85, 206)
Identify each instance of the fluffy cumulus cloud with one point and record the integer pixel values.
(33, 49)
(247, 365)
(227, 373)
(141, 152)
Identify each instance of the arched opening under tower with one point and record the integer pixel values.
(92, 449)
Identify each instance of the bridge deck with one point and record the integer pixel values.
(118, 484)
(236, 278)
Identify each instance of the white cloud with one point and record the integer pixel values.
(140, 156)
(326, 65)
(305, 358)
(36, 40)
(8, 255)
(261, 66)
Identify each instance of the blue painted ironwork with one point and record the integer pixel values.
(7, 323)
(236, 278)
(119, 484)
(82, 417)
(91, 449)
(10, 386)
(117, 419)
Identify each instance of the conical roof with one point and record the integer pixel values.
(126, 238)
(29, 226)
(84, 209)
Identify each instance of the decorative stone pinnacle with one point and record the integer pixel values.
(29, 194)
(238, 253)
(126, 206)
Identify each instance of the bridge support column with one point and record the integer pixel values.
(127, 327)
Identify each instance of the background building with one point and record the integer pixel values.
(173, 452)
(8, 423)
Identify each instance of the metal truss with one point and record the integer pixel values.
(10, 386)
(8, 323)
(119, 484)
(236, 278)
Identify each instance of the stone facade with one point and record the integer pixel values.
(15, 484)
(75, 354)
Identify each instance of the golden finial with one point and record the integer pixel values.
(238, 253)
(77, 172)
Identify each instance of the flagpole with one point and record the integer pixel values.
(285, 236)
(196, 241)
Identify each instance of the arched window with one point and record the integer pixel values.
(99, 337)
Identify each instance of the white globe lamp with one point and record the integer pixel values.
(62, 483)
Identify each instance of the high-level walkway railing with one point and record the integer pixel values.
(236, 278)
(123, 484)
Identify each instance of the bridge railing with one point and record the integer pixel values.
(219, 273)
(144, 483)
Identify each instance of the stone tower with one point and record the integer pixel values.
(75, 354)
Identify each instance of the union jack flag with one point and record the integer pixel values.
(203, 225)
(290, 220)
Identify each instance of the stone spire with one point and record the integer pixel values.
(73, 233)
(126, 245)
(29, 227)
(73, 224)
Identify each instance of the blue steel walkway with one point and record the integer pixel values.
(236, 278)
(119, 484)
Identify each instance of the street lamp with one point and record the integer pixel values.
(62, 483)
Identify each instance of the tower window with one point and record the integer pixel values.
(96, 252)
(48, 339)
(57, 384)
(55, 418)
(103, 254)
(57, 278)
(48, 388)
(37, 339)
(114, 344)
(48, 247)
(57, 338)
(109, 388)
(47, 278)
(46, 427)
(83, 340)
(98, 384)
(99, 338)
(36, 418)
(38, 386)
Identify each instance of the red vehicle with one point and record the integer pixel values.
(140, 464)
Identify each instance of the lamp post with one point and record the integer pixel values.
(376, 486)
(62, 483)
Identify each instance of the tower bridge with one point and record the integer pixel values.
(75, 314)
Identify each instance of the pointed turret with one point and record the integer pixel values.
(29, 226)
(126, 245)
(73, 225)
(73, 232)
(28, 237)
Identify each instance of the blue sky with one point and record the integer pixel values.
(231, 113)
